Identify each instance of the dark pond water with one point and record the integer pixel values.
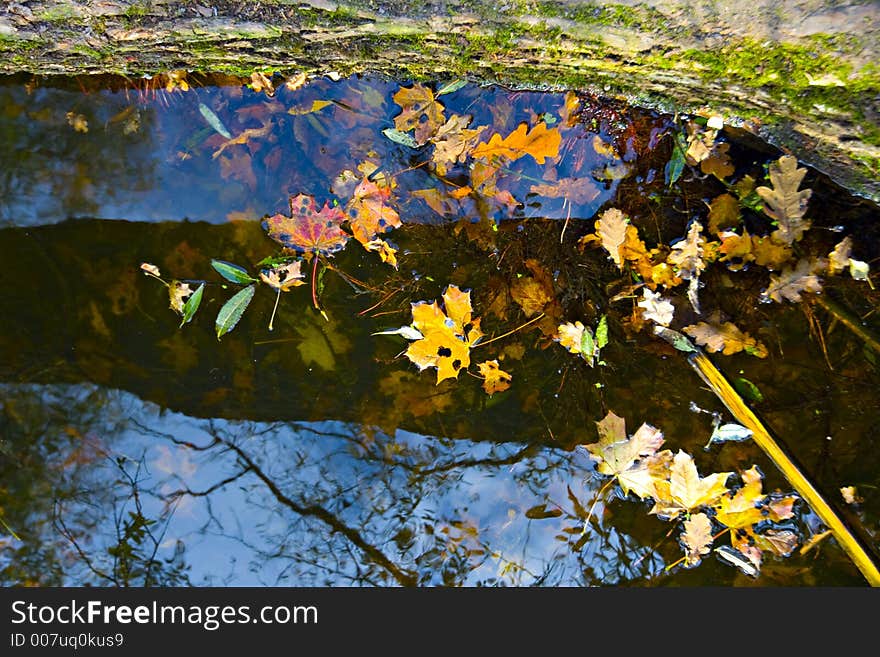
(135, 452)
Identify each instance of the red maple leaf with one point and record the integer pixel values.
(308, 229)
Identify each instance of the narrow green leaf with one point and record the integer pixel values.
(232, 272)
(748, 389)
(448, 88)
(399, 137)
(588, 346)
(602, 332)
(232, 310)
(192, 305)
(675, 166)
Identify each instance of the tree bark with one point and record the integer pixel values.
(802, 75)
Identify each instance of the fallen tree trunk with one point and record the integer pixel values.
(803, 75)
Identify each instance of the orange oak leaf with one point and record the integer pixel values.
(539, 142)
(725, 337)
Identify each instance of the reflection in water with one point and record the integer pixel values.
(129, 495)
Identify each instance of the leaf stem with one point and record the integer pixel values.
(504, 335)
(275, 308)
(314, 280)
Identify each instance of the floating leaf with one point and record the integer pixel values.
(748, 389)
(232, 311)
(676, 339)
(232, 272)
(178, 294)
(725, 337)
(447, 336)
(656, 308)
(686, 491)
(687, 254)
(285, 277)
(792, 282)
(453, 142)
(150, 269)
(308, 229)
(419, 111)
(192, 305)
(696, 538)
(838, 259)
(579, 339)
(718, 162)
(370, 213)
(449, 87)
(784, 202)
(402, 138)
(850, 495)
(539, 142)
(726, 433)
(495, 379)
(733, 557)
(616, 455)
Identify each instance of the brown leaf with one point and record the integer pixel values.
(495, 379)
(784, 202)
(736, 250)
(723, 213)
(718, 162)
(770, 254)
(724, 337)
(578, 191)
(838, 259)
(539, 142)
(419, 111)
(687, 254)
(611, 229)
(453, 142)
(696, 538)
(792, 282)
(531, 295)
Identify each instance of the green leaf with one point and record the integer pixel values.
(748, 389)
(602, 332)
(192, 305)
(232, 272)
(588, 346)
(399, 137)
(675, 165)
(232, 310)
(448, 88)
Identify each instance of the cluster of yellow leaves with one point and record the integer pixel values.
(678, 491)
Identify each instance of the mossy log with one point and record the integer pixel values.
(802, 75)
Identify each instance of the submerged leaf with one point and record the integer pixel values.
(784, 202)
(495, 379)
(724, 337)
(611, 229)
(232, 310)
(656, 308)
(792, 282)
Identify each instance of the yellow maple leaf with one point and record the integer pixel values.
(419, 111)
(494, 378)
(742, 509)
(447, 337)
(539, 142)
(686, 491)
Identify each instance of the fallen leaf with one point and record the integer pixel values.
(494, 378)
(736, 250)
(150, 269)
(696, 538)
(850, 495)
(453, 142)
(261, 82)
(686, 491)
(308, 229)
(531, 295)
(784, 202)
(718, 162)
(539, 142)
(792, 282)
(577, 191)
(448, 336)
(656, 308)
(420, 111)
(370, 213)
(283, 277)
(615, 454)
(723, 213)
(725, 337)
(770, 254)
(250, 133)
(77, 121)
(611, 229)
(238, 167)
(687, 254)
(838, 259)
